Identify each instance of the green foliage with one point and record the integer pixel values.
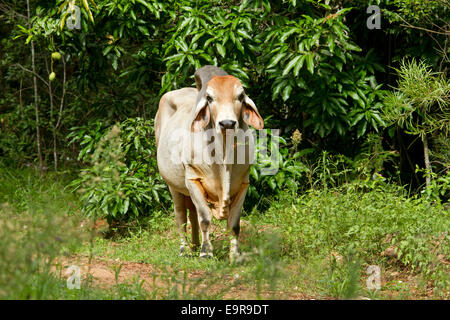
(373, 157)
(439, 187)
(122, 181)
(283, 160)
(298, 171)
(418, 11)
(309, 64)
(371, 223)
(328, 237)
(306, 65)
(210, 33)
(421, 25)
(35, 233)
(313, 67)
(343, 276)
(29, 248)
(17, 144)
(87, 137)
(301, 61)
(420, 103)
(264, 262)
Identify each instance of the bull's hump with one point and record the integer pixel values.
(206, 73)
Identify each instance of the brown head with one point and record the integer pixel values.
(224, 103)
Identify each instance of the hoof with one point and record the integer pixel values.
(206, 251)
(235, 257)
(206, 255)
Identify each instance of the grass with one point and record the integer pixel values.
(317, 245)
(380, 227)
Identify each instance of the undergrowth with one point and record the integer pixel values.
(318, 244)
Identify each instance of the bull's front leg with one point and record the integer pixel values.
(198, 197)
(234, 219)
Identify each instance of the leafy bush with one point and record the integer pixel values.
(122, 181)
(439, 188)
(317, 52)
(209, 33)
(285, 163)
(301, 170)
(258, 41)
(16, 144)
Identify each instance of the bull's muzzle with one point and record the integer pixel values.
(227, 124)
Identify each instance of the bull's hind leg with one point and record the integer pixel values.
(204, 214)
(180, 217)
(194, 222)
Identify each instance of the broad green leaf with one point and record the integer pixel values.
(377, 116)
(361, 129)
(349, 46)
(239, 46)
(107, 50)
(244, 34)
(220, 49)
(288, 33)
(276, 59)
(254, 172)
(272, 183)
(299, 65)
(277, 89)
(286, 92)
(353, 94)
(331, 42)
(290, 65)
(144, 30)
(357, 119)
(88, 10)
(310, 62)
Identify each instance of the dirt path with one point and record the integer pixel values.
(194, 284)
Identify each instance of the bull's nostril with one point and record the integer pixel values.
(227, 124)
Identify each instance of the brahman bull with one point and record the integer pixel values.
(217, 109)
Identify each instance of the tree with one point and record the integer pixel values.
(420, 103)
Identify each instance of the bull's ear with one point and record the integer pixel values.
(250, 114)
(202, 116)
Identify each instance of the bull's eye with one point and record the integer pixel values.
(241, 97)
(209, 98)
